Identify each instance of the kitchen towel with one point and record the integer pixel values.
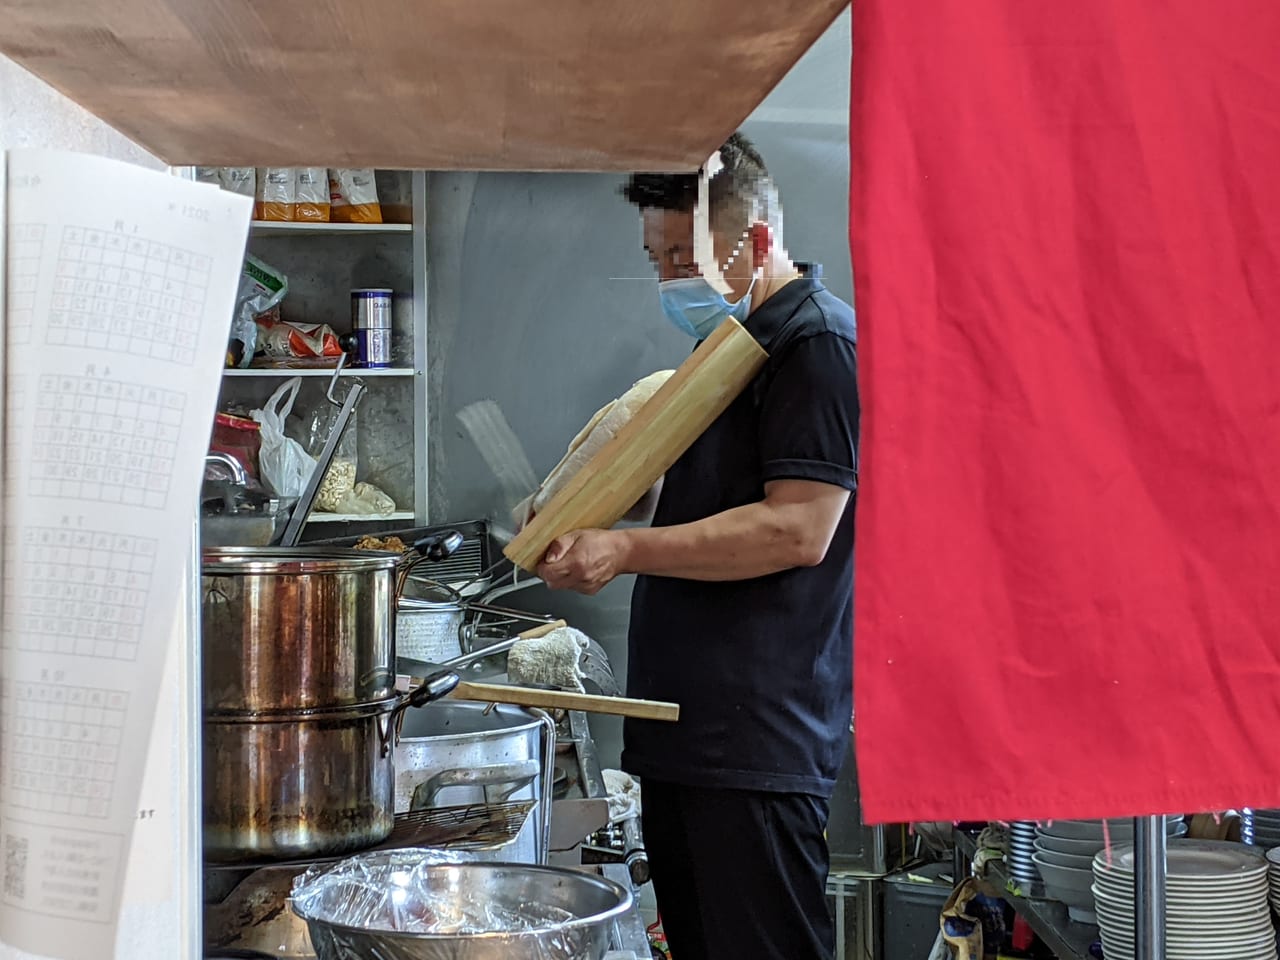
(1065, 226)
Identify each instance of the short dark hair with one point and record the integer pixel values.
(733, 187)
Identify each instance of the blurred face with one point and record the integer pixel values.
(668, 239)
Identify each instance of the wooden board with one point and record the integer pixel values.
(626, 467)
(448, 84)
(565, 700)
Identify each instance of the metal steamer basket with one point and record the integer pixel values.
(301, 713)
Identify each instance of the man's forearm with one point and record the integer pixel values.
(739, 544)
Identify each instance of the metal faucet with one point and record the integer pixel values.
(238, 476)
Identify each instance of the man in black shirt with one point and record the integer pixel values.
(743, 608)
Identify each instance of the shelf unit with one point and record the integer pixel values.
(321, 517)
(284, 374)
(323, 263)
(1068, 939)
(277, 228)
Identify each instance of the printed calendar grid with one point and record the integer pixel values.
(127, 295)
(78, 592)
(61, 744)
(16, 406)
(103, 440)
(26, 244)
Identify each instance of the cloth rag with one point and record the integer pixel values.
(553, 660)
(624, 795)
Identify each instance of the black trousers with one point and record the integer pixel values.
(739, 873)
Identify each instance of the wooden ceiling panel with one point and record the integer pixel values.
(446, 84)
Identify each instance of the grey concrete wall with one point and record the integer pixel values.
(541, 299)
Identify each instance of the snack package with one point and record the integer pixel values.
(277, 339)
(339, 481)
(211, 175)
(241, 180)
(395, 195)
(311, 194)
(239, 437)
(275, 194)
(353, 197)
(261, 288)
(366, 500)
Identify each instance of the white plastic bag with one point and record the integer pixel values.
(283, 462)
(365, 500)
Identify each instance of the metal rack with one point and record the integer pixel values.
(1048, 918)
(1071, 940)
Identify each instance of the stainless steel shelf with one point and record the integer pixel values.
(285, 228)
(321, 517)
(284, 372)
(1048, 918)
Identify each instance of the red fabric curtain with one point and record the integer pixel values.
(1065, 224)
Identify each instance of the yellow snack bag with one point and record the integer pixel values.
(353, 197)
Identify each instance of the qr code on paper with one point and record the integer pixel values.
(15, 866)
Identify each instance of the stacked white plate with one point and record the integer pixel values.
(1064, 852)
(1266, 828)
(1216, 906)
(1273, 878)
(1022, 838)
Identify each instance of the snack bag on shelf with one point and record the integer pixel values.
(239, 437)
(366, 500)
(261, 288)
(311, 194)
(279, 339)
(395, 195)
(339, 481)
(275, 194)
(241, 180)
(353, 197)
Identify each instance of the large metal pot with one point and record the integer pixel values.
(304, 784)
(291, 629)
(459, 752)
(497, 911)
(429, 630)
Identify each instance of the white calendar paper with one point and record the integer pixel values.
(119, 287)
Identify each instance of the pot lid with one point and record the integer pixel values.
(505, 85)
(293, 560)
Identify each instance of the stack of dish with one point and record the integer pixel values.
(1022, 848)
(1273, 878)
(1261, 828)
(1064, 852)
(1216, 902)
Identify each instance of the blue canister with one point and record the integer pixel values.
(371, 324)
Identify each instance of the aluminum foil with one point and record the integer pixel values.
(436, 905)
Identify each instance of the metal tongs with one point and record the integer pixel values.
(302, 510)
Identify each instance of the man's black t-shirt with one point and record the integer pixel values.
(762, 668)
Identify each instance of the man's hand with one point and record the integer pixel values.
(584, 561)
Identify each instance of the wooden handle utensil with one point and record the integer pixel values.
(624, 469)
(565, 700)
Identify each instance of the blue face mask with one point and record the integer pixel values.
(697, 308)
